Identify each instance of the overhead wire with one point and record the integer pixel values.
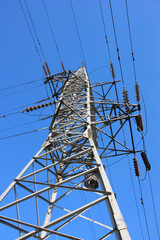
(92, 230)
(144, 210)
(19, 134)
(43, 99)
(154, 208)
(20, 84)
(60, 58)
(9, 114)
(53, 35)
(143, 134)
(23, 90)
(124, 88)
(107, 163)
(130, 37)
(115, 36)
(20, 125)
(111, 65)
(34, 29)
(88, 213)
(13, 113)
(97, 69)
(76, 25)
(30, 31)
(135, 198)
(106, 38)
(117, 99)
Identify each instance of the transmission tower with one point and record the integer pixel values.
(44, 200)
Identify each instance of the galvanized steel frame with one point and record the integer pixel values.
(70, 152)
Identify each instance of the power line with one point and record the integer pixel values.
(34, 29)
(21, 84)
(134, 193)
(19, 134)
(80, 43)
(9, 114)
(134, 70)
(130, 37)
(96, 69)
(119, 60)
(154, 208)
(28, 110)
(23, 90)
(144, 211)
(27, 123)
(44, 99)
(24, 124)
(30, 32)
(54, 39)
(117, 99)
(105, 30)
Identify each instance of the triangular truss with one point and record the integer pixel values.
(69, 165)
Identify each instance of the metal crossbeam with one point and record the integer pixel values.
(70, 160)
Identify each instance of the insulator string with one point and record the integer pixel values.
(135, 198)
(105, 32)
(115, 36)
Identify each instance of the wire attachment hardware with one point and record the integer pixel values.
(28, 109)
(126, 101)
(137, 92)
(139, 122)
(145, 160)
(112, 70)
(48, 70)
(44, 69)
(136, 167)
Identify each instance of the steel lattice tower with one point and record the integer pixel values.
(69, 164)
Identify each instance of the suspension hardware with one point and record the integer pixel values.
(137, 92)
(139, 122)
(126, 101)
(136, 167)
(145, 160)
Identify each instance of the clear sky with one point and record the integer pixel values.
(19, 63)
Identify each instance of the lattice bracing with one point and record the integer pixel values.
(65, 182)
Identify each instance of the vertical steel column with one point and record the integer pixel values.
(118, 222)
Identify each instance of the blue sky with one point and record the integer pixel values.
(20, 64)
